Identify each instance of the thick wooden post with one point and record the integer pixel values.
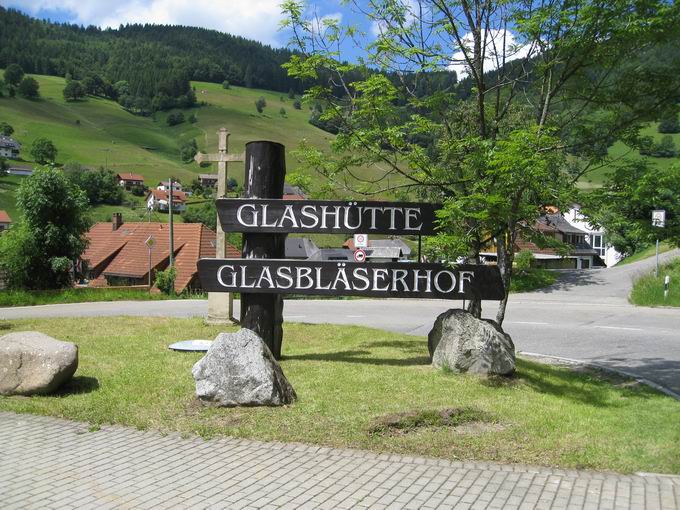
(265, 176)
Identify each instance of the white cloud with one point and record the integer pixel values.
(254, 19)
(495, 48)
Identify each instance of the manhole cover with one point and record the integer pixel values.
(191, 345)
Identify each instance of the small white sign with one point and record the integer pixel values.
(360, 241)
(359, 255)
(659, 218)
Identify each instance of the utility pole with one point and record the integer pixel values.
(172, 237)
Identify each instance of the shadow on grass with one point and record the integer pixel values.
(589, 388)
(360, 357)
(78, 385)
(406, 346)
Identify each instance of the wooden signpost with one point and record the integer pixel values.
(263, 276)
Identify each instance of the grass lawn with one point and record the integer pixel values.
(347, 379)
(52, 297)
(648, 290)
(645, 253)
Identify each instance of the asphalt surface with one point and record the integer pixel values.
(584, 316)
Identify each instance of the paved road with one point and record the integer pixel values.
(585, 316)
(56, 464)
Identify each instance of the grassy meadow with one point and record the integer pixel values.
(364, 388)
(648, 290)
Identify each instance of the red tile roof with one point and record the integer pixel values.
(293, 197)
(127, 176)
(158, 194)
(4, 217)
(123, 253)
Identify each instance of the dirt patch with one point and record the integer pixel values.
(461, 418)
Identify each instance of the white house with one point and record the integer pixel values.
(158, 200)
(9, 147)
(165, 186)
(596, 237)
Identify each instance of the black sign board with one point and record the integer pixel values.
(389, 280)
(326, 216)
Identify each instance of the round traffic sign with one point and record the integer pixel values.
(359, 255)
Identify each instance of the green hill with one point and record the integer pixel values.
(98, 132)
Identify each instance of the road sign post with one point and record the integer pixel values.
(150, 241)
(658, 220)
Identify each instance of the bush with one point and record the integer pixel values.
(523, 261)
(282, 112)
(260, 104)
(6, 129)
(225, 84)
(175, 118)
(297, 104)
(193, 119)
(138, 190)
(165, 281)
(101, 186)
(188, 150)
(29, 88)
(669, 124)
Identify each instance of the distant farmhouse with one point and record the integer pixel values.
(208, 180)
(581, 254)
(129, 180)
(117, 253)
(9, 147)
(159, 200)
(5, 221)
(595, 237)
(165, 186)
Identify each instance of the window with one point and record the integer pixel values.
(597, 242)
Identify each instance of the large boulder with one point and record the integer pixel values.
(34, 363)
(463, 343)
(239, 370)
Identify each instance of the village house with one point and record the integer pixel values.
(5, 221)
(208, 180)
(159, 200)
(383, 250)
(580, 254)
(129, 180)
(293, 193)
(300, 248)
(595, 237)
(165, 186)
(117, 253)
(9, 147)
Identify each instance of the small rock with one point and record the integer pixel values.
(239, 370)
(34, 363)
(464, 343)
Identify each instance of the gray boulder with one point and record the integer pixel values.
(464, 343)
(34, 363)
(239, 370)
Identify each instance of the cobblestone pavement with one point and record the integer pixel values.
(52, 463)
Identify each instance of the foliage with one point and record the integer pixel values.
(624, 205)
(165, 281)
(226, 85)
(100, 186)
(4, 166)
(37, 253)
(13, 74)
(188, 150)
(6, 129)
(511, 138)
(282, 112)
(138, 190)
(524, 261)
(669, 123)
(74, 90)
(193, 119)
(175, 118)
(205, 213)
(43, 151)
(649, 290)
(664, 149)
(29, 88)
(297, 104)
(260, 104)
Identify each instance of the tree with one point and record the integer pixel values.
(669, 123)
(100, 186)
(260, 104)
(13, 75)
(6, 129)
(226, 85)
(39, 252)
(3, 166)
(43, 151)
(624, 205)
(291, 94)
(282, 112)
(546, 89)
(174, 119)
(188, 150)
(29, 88)
(297, 104)
(73, 91)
